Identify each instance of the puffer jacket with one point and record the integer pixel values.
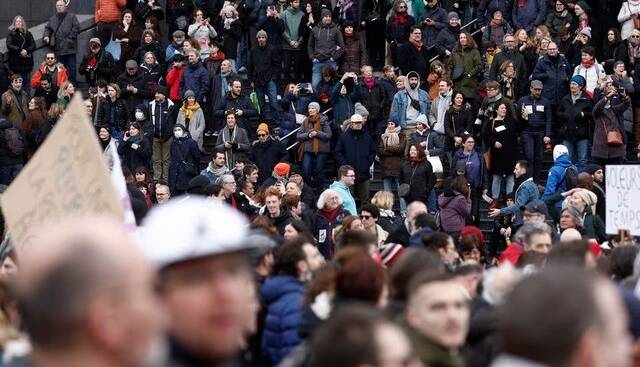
(554, 76)
(196, 78)
(391, 157)
(283, 295)
(108, 11)
(16, 42)
(325, 42)
(355, 54)
(183, 149)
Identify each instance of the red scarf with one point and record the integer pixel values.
(415, 160)
(416, 44)
(589, 63)
(330, 214)
(521, 3)
(368, 82)
(399, 19)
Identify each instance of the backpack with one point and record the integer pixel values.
(571, 178)
(15, 142)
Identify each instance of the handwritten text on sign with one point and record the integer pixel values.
(623, 198)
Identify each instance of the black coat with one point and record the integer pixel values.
(573, 125)
(264, 64)
(266, 155)
(134, 158)
(504, 159)
(106, 68)
(357, 149)
(129, 98)
(420, 178)
(154, 47)
(399, 33)
(375, 101)
(16, 42)
(456, 122)
(410, 59)
(114, 114)
(65, 33)
(183, 150)
(6, 158)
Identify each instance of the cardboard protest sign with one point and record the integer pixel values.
(623, 198)
(67, 176)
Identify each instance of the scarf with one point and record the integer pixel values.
(507, 86)
(330, 214)
(495, 23)
(225, 84)
(315, 120)
(227, 135)
(368, 82)
(189, 110)
(589, 63)
(416, 44)
(399, 19)
(105, 143)
(521, 3)
(634, 52)
(217, 172)
(391, 137)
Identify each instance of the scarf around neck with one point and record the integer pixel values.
(315, 120)
(189, 110)
(416, 44)
(589, 63)
(391, 137)
(369, 82)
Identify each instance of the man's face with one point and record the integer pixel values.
(262, 136)
(349, 179)
(273, 204)
(574, 88)
(228, 186)
(519, 171)
(326, 20)
(60, 6)
(132, 71)
(253, 176)
(552, 49)
(225, 66)
(413, 82)
(528, 216)
(510, 43)
(262, 41)
(559, 7)
(162, 195)
(314, 258)
(178, 40)
(536, 92)
(293, 188)
(356, 125)
(598, 175)
(45, 85)
(443, 88)
(218, 160)
(295, 4)
(209, 302)
(540, 243)
(619, 69)
(88, 106)
(416, 35)
(231, 121)
(16, 83)
(614, 338)
(449, 254)
(50, 59)
(236, 88)
(193, 58)
(439, 311)
(367, 219)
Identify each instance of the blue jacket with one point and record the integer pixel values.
(554, 77)
(283, 296)
(357, 149)
(556, 182)
(540, 120)
(348, 202)
(429, 34)
(525, 193)
(401, 101)
(532, 14)
(196, 79)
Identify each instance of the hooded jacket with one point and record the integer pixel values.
(554, 75)
(348, 202)
(401, 101)
(454, 210)
(325, 42)
(556, 182)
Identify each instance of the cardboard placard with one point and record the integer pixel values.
(67, 176)
(623, 198)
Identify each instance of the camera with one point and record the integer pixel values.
(305, 89)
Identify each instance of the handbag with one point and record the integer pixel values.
(403, 189)
(114, 49)
(614, 137)
(299, 117)
(436, 164)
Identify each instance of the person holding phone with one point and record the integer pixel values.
(135, 149)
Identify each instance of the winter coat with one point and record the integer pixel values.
(195, 126)
(612, 119)
(447, 40)
(616, 51)
(454, 210)
(429, 140)
(274, 26)
(108, 11)
(105, 68)
(420, 178)
(152, 77)
(183, 150)
(264, 65)
(283, 296)
(532, 14)
(324, 135)
(325, 42)
(410, 59)
(240, 144)
(525, 193)
(174, 82)
(6, 157)
(516, 57)
(400, 103)
(391, 157)
(154, 47)
(496, 33)
(399, 33)
(469, 60)
(195, 78)
(131, 99)
(625, 16)
(593, 226)
(292, 19)
(357, 149)
(114, 114)
(172, 50)
(343, 105)
(591, 74)
(375, 101)
(506, 132)
(439, 17)
(541, 116)
(457, 123)
(475, 168)
(574, 126)
(355, 54)
(323, 231)
(556, 182)
(61, 75)
(266, 155)
(554, 77)
(557, 22)
(163, 118)
(16, 42)
(17, 109)
(65, 33)
(230, 37)
(133, 34)
(134, 158)
(505, 6)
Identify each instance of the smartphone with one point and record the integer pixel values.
(620, 90)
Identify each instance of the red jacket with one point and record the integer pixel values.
(173, 81)
(108, 11)
(61, 76)
(511, 253)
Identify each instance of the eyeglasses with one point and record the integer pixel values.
(362, 216)
(635, 36)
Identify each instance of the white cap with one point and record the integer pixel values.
(188, 229)
(357, 118)
(422, 119)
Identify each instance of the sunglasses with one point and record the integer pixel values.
(362, 216)
(635, 36)
(262, 135)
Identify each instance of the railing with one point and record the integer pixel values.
(296, 130)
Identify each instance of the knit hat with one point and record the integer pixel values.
(189, 93)
(178, 33)
(580, 80)
(586, 31)
(163, 90)
(263, 127)
(315, 106)
(461, 166)
(325, 12)
(347, 23)
(143, 108)
(282, 169)
(95, 40)
(360, 110)
(592, 168)
(559, 150)
(472, 231)
(228, 9)
(180, 126)
(536, 84)
(452, 15)
(536, 206)
(357, 118)
(588, 197)
(262, 33)
(422, 119)
(389, 253)
(584, 6)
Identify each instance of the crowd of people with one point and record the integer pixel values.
(250, 133)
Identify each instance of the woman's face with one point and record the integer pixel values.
(509, 70)
(473, 255)
(19, 23)
(112, 92)
(290, 233)
(191, 100)
(413, 152)
(522, 36)
(104, 134)
(149, 59)
(312, 111)
(458, 100)
(400, 83)
(140, 176)
(348, 30)
(586, 57)
(502, 110)
(8, 268)
(611, 36)
(577, 202)
(127, 18)
(70, 89)
(231, 121)
(308, 8)
(148, 38)
(578, 10)
(463, 39)
(133, 131)
(199, 16)
(32, 104)
(186, 46)
(332, 201)
(367, 72)
(469, 144)
(356, 225)
(538, 33)
(390, 74)
(148, 24)
(566, 220)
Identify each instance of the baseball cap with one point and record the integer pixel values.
(536, 206)
(191, 228)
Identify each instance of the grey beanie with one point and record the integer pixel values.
(315, 105)
(189, 93)
(360, 110)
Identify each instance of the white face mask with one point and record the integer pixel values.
(139, 116)
(178, 133)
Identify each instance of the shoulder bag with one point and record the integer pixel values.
(614, 137)
(403, 189)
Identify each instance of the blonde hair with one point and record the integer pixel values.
(383, 200)
(13, 23)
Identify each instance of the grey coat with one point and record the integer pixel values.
(324, 136)
(66, 36)
(240, 142)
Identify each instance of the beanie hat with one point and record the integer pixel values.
(589, 198)
(189, 93)
(592, 168)
(282, 169)
(262, 33)
(163, 90)
(315, 106)
(360, 109)
(325, 12)
(422, 119)
(452, 15)
(580, 80)
(472, 231)
(180, 126)
(389, 253)
(586, 31)
(356, 118)
(559, 150)
(263, 127)
(584, 6)
(143, 108)
(131, 64)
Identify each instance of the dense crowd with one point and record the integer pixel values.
(251, 134)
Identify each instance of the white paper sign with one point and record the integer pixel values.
(623, 198)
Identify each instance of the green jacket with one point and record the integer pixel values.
(431, 354)
(292, 19)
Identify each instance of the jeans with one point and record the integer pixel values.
(390, 184)
(578, 151)
(9, 172)
(271, 90)
(533, 148)
(69, 61)
(316, 71)
(161, 157)
(496, 185)
(243, 51)
(309, 160)
(432, 202)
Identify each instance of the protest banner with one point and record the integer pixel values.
(67, 176)
(623, 198)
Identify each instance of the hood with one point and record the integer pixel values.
(280, 285)
(563, 161)
(444, 200)
(409, 75)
